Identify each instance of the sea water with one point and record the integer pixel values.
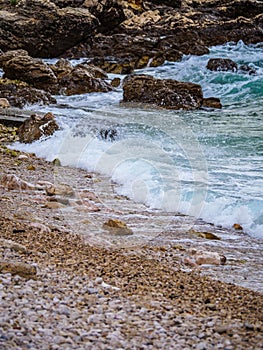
(203, 163)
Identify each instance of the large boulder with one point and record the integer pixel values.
(36, 126)
(44, 29)
(166, 93)
(18, 65)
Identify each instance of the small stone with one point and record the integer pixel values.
(54, 205)
(4, 103)
(56, 162)
(115, 82)
(237, 227)
(31, 167)
(59, 189)
(117, 227)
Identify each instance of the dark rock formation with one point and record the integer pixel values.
(43, 29)
(79, 79)
(211, 102)
(35, 127)
(247, 69)
(19, 94)
(60, 78)
(221, 64)
(19, 65)
(166, 93)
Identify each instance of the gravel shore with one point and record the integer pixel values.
(90, 289)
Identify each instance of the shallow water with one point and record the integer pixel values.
(206, 163)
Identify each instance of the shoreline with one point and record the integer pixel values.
(120, 278)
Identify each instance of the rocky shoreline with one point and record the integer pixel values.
(80, 266)
(94, 289)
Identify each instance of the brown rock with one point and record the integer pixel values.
(60, 190)
(20, 94)
(237, 227)
(60, 28)
(212, 102)
(117, 227)
(4, 103)
(206, 257)
(18, 65)
(35, 127)
(18, 268)
(166, 93)
(207, 235)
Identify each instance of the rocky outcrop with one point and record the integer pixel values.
(18, 65)
(35, 127)
(44, 29)
(20, 94)
(79, 79)
(60, 78)
(166, 93)
(99, 28)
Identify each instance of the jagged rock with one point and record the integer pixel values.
(18, 268)
(61, 77)
(60, 28)
(20, 94)
(221, 64)
(212, 102)
(166, 93)
(80, 80)
(35, 127)
(108, 134)
(18, 65)
(110, 13)
(117, 227)
(4, 103)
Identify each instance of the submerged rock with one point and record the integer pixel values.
(212, 102)
(203, 257)
(222, 64)
(35, 127)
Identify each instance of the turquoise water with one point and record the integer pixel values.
(206, 163)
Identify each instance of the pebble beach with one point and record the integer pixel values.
(67, 283)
